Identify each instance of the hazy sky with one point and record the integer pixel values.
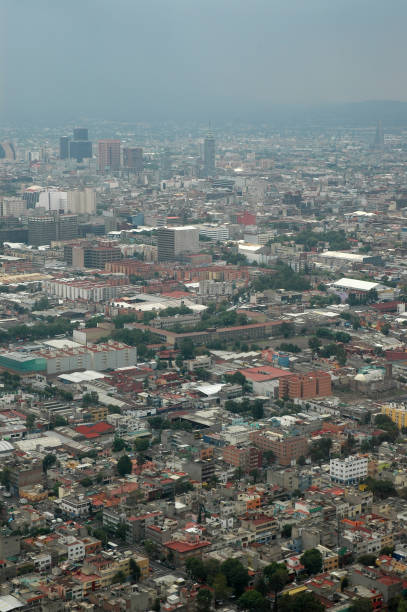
(143, 59)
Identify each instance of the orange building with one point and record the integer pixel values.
(305, 386)
(247, 459)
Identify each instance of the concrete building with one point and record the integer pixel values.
(133, 158)
(286, 448)
(88, 255)
(305, 386)
(397, 413)
(43, 230)
(218, 233)
(247, 458)
(209, 146)
(172, 241)
(12, 207)
(350, 470)
(82, 201)
(109, 155)
(87, 291)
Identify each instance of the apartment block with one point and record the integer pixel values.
(304, 386)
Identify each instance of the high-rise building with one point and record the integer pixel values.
(82, 201)
(64, 147)
(109, 155)
(172, 241)
(80, 134)
(209, 155)
(43, 230)
(7, 151)
(78, 148)
(88, 255)
(379, 137)
(12, 207)
(133, 158)
(67, 227)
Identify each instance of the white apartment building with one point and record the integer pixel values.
(82, 201)
(218, 233)
(75, 506)
(99, 357)
(52, 199)
(350, 470)
(76, 549)
(88, 291)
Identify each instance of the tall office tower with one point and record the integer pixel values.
(41, 230)
(379, 138)
(209, 155)
(80, 134)
(64, 147)
(7, 151)
(66, 227)
(82, 201)
(109, 155)
(12, 207)
(133, 158)
(173, 241)
(166, 164)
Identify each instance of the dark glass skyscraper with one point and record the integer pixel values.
(78, 148)
(64, 147)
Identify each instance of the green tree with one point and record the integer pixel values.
(320, 449)
(141, 445)
(298, 603)
(134, 570)
(301, 460)
(101, 535)
(30, 421)
(236, 575)
(252, 600)
(86, 482)
(402, 605)
(196, 568)
(119, 578)
(212, 567)
(90, 399)
(124, 465)
(156, 605)
(257, 410)
(118, 444)
(204, 600)
(60, 421)
(286, 531)
(220, 587)
(361, 605)
(367, 560)
(187, 348)
(314, 343)
(276, 577)
(312, 561)
(48, 461)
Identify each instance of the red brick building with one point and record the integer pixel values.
(248, 458)
(285, 447)
(305, 386)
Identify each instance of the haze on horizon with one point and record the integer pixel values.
(163, 59)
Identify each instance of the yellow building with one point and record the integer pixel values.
(98, 413)
(397, 413)
(330, 560)
(107, 568)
